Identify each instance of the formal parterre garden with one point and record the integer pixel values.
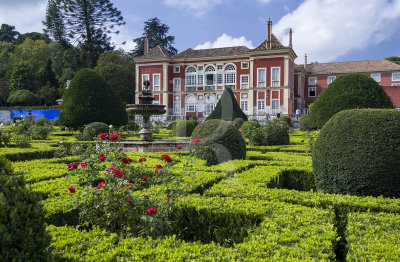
(101, 204)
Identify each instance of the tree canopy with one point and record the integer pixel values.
(8, 33)
(156, 32)
(394, 59)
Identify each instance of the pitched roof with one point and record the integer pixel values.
(223, 51)
(157, 51)
(275, 44)
(380, 65)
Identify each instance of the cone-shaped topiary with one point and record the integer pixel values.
(347, 92)
(217, 141)
(89, 98)
(357, 152)
(23, 235)
(227, 108)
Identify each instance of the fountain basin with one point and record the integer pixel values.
(154, 146)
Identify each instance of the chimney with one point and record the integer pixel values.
(146, 46)
(305, 61)
(269, 33)
(290, 38)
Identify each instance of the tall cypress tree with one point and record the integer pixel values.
(227, 108)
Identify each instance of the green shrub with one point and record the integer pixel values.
(56, 122)
(274, 133)
(41, 132)
(23, 233)
(220, 142)
(348, 92)
(357, 152)
(184, 128)
(89, 98)
(130, 126)
(24, 98)
(286, 119)
(42, 122)
(249, 125)
(306, 123)
(227, 108)
(94, 129)
(239, 122)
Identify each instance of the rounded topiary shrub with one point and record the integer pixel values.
(94, 129)
(286, 119)
(306, 123)
(357, 152)
(42, 122)
(249, 125)
(184, 128)
(89, 98)
(349, 91)
(271, 134)
(23, 235)
(217, 141)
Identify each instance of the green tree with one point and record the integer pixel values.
(6, 50)
(55, 25)
(89, 98)
(48, 74)
(48, 94)
(156, 32)
(87, 23)
(394, 59)
(8, 33)
(33, 36)
(24, 98)
(4, 92)
(118, 69)
(23, 76)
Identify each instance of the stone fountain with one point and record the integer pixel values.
(146, 143)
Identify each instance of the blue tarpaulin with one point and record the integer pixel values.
(51, 114)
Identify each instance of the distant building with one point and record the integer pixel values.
(265, 80)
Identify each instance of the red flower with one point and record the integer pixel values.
(71, 189)
(234, 124)
(178, 147)
(129, 200)
(144, 178)
(103, 136)
(132, 181)
(83, 164)
(115, 171)
(127, 185)
(155, 170)
(196, 140)
(72, 166)
(101, 184)
(241, 131)
(126, 160)
(101, 157)
(151, 210)
(159, 166)
(113, 137)
(142, 159)
(166, 158)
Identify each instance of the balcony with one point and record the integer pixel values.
(190, 89)
(209, 88)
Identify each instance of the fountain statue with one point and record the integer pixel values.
(146, 109)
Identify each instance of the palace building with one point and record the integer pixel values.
(265, 80)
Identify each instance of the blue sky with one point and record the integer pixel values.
(327, 30)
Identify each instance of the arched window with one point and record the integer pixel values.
(230, 75)
(210, 75)
(210, 104)
(190, 76)
(190, 104)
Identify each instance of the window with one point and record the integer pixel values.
(177, 84)
(261, 77)
(219, 67)
(177, 69)
(190, 104)
(177, 108)
(244, 106)
(312, 92)
(200, 68)
(275, 104)
(397, 84)
(220, 78)
(396, 76)
(230, 75)
(210, 104)
(200, 80)
(331, 79)
(275, 76)
(312, 81)
(376, 77)
(244, 82)
(210, 75)
(245, 65)
(156, 82)
(145, 77)
(261, 105)
(190, 77)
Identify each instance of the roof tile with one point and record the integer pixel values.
(380, 65)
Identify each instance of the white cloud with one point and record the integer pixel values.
(226, 41)
(327, 29)
(196, 7)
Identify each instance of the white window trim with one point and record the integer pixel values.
(279, 76)
(327, 79)
(265, 82)
(200, 68)
(177, 109)
(309, 88)
(258, 104)
(243, 64)
(272, 104)
(395, 73)
(376, 74)
(396, 84)
(176, 88)
(309, 82)
(246, 109)
(241, 82)
(222, 74)
(198, 82)
(230, 72)
(221, 65)
(148, 77)
(179, 69)
(159, 82)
